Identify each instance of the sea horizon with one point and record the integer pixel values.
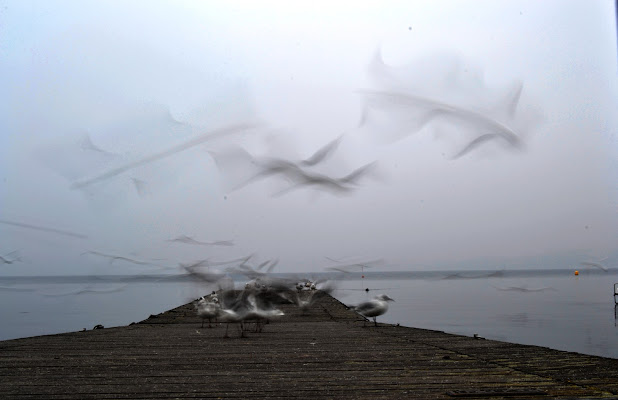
(552, 307)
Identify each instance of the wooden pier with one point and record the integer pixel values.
(327, 352)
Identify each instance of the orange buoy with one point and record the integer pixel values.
(576, 272)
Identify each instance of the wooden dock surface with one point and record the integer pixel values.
(325, 353)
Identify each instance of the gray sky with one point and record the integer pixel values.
(125, 92)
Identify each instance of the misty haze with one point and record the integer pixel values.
(162, 139)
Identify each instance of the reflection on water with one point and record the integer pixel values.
(577, 314)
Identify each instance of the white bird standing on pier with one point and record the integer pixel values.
(374, 308)
(208, 308)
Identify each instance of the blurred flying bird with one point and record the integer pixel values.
(74, 155)
(44, 229)
(477, 142)
(296, 173)
(486, 118)
(189, 240)
(512, 99)
(523, 289)
(201, 271)
(10, 258)
(112, 258)
(88, 290)
(140, 186)
(208, 276)
(474, 275)
(349, 265)
(86, 144)
(433, 109)
(323, 153)
(344, 185)
(247, 305)
(165, 153)
(268, 265)
(594, 265)
(206, 263)
(304, 299)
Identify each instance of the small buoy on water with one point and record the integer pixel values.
(576, 272)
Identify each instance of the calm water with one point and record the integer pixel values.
(548, 308)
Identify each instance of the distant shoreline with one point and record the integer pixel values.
(373, 275)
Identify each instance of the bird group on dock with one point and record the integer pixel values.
(258, 301)
(253, 305)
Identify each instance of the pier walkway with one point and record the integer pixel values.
(327, 352)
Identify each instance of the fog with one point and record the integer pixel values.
(422, 134)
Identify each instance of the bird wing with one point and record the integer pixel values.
(365, 307)
(323, 152)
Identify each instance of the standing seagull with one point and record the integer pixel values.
(373, 308)
(208, 308)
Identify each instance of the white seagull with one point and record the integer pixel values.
(207, 309)
(374, 308)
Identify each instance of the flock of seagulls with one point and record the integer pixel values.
(418, 111)
(258, 302)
